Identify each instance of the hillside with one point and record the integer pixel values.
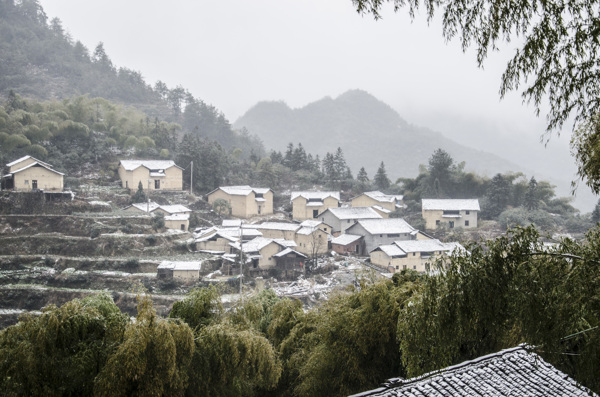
(367, 130)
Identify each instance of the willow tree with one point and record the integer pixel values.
(558, 59)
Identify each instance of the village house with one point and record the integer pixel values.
(517, 371)
(245, 201)
(388, 202)
(216, 240)
(417, 255)
(317, 223)
(308, 205)
(184, 271)
(450, 212)
(309, 236)
(29, 173)
(342, 218)
(275, 230)
(176, 216)
(378, 232)
(348, 244)
(153, 174)
(261, 255)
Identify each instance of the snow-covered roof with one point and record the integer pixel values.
(510, 372)
(306, 230)
(215, 236)
(311, 223)
(242, 190)
(450, 204)
(276, 226)
(175, 209)
(345, 239)
(177, 217)
(382, 197)
(353, 213)
(384, 226)
(231, 223)
(381, 209)
(17, 161)
(424, 245)
(36, 164)
(259, 243)
(315, 195)
(145, 206)
(391, 250)
(130, 165)
(182, 266)
(289, 251)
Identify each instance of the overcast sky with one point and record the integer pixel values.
(235, 53)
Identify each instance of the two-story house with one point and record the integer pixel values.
(245, 201)
(450, 212)
(341, 219)
(378, 232)
(386, 202)
(308, 205)
(153, 174)
(29, 173)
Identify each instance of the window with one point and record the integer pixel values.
(404, 267)
(414, 253)
(157, 184)
(315, 213)
(183, 226)
(26, 181)
(451, 224)
(451, 212)
(415, 267)
(437, 222)
(259, 208)
(393, 235)
(466, 223)
(397, 267)
(467, 212)
(127, 184)
(348, 221)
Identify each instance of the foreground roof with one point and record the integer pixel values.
(382, 197)
(345, 239)
(17, 161)
(510, 372)
(131, 165)
(451, 204)
(36, 164)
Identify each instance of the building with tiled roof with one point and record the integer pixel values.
(378, 232)
(342, 218)
(348, 244)
(29, 173)
(390, 202)
(153, 174)
(245, 201)
(416, 255)
(450, 212)
(516, 372)
(308, 205)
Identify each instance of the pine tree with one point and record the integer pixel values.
(531, 200)
(140, 196)
(381, 179)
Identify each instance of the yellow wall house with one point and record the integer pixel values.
(260, 252)
(450, 212)
(245, 201)
(29, 173)
(176, 216)
(411, 254)
(154, 174)
(312, 240)
(184, 271)
(308, 205)
(384, 201)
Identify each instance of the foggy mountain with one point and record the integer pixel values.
(368, 131)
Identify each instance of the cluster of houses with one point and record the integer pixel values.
(320, 223)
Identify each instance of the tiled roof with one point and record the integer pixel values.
(259, 243)
(315, 195)
(450, 204)
(289, 251)
(177, 217)
(231, 223)
(423, 245)
(311, 223)
(385, 226)
(511, 372)
(391, 250)
(242, 190)
(145, 206)
(17, 161)
(354, 213)
(175, 209)
(131, 165)
(379, 196)
(345, 239)
(36, 164)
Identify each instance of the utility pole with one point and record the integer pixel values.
(191, 176)
(148, 205)
(241, 260)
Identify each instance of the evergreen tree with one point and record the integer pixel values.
(381, 179)
(531, 200)
(140, 196)
(362, 176)
(596, 213)
(497, 196)
(288, 158)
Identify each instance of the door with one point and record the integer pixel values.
(34, 184)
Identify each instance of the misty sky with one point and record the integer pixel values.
(235, 53)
